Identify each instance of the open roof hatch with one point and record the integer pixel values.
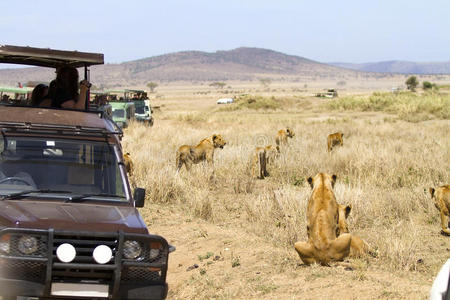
(48, 57)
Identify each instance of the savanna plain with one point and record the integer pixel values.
(235, 234)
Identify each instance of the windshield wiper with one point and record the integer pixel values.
(83, 197)
(26, 193)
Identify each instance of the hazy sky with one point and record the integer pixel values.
(326, 31)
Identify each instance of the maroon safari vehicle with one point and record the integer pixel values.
(69, 224)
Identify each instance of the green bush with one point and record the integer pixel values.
(426, 85)
(253, 102)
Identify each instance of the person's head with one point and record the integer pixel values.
(67, 79)
(38, 94)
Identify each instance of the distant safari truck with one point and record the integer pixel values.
(143, 110)
(330, 93)
(225, 101)
(122, 113)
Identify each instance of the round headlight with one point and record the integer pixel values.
(132, 249)
(154, 253)
(27, 244)
(102, 254)
(66, 252)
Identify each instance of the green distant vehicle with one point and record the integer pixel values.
(122, 113)
(143, 110)
(15, 94)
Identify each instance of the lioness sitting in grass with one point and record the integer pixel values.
(335, 139)
(282, 137)
(189, 155)
(322, 215)
(441, 197)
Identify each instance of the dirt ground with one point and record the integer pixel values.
(233, 263)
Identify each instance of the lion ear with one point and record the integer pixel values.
(348, 209)
(310, 181)
(333, 180)
(431, 192)
(342, 134)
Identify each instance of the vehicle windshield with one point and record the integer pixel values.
(119, 113)
(140, 110)
(72, 166)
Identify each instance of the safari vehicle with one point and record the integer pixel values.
(330, 93)
(143, 110)
(69, 227)
(99, 101)
(18, 94)
(122, 113)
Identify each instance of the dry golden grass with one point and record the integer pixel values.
(384, 170)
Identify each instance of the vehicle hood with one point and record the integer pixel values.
(70, 216)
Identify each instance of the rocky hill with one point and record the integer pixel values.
(237, 64)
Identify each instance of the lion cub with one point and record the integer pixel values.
(282, 137)
(189, 155)
(322, 216)
(335, 139)
(357, 245)
(261, 157)
(441, 197)
(128, 162)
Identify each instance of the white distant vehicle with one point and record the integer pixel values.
(225, 101)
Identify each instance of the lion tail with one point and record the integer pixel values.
(179, 161)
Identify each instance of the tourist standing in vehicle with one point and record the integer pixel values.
(39, 94)
(65, 92)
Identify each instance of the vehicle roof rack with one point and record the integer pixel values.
(85, 129)
(61, 130)
(45, 57)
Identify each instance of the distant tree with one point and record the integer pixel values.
(265, 81)
(412, 83)
(341, 83)
(152, 86)
(218, 84)
(305, 86)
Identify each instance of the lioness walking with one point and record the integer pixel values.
(282, 137)
(189, 155)
(335, 139)
(441, 197)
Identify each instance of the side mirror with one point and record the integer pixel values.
(139, 197)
